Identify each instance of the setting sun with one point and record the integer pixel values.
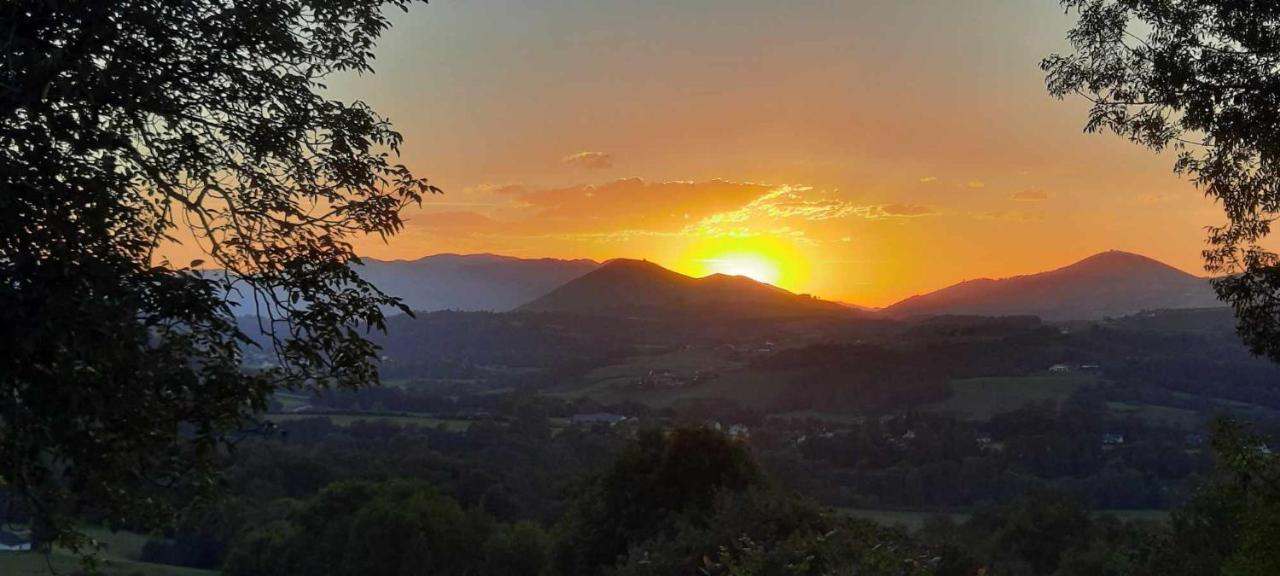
(767, 259)
(753, 266)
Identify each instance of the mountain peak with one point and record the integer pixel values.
(488, 282)
(632, 264)
(1118, 260)
(626, 287)
(1112, 283)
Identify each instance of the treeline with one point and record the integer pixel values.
(682, 502)
(926, 461)
(691, 501)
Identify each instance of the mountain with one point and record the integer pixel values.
(1108, 284)
(471, 282)
(641, 288)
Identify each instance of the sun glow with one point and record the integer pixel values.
(765, 259)
(753, 266)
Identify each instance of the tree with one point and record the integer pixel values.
(129, 124)
(388, 528)
(1201, 77)
(659, 483)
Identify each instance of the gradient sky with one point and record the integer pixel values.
(866, 150)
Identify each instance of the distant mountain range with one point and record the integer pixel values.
(1108, 284)
(638, 288)
(472, 282)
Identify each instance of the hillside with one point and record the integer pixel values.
(1108, 284)
(476, 282)
(639, 288)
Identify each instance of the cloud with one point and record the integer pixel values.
(589, 160)
(632, 208)
(900, 211)
(789, 203)
(1030, 195)
(636, 203)
(975, 185)
(928, 179)
(798, 202)
(453, 222)
(1155, 198)
(1008, 216)
(513, 188)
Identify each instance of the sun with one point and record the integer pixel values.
(754, 266)
(767, 259)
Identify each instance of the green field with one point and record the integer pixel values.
(291, 401)
(982, 398)
(119, 557)
(348, 419)
(1157, 415)
(1139, 515)
(619, 382)
(828, 417)
(908, 519)
(915, 519)
(752, 388)
(680, 363)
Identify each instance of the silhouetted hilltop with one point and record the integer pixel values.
(1112, 283)
(639, 287)
(471, 282)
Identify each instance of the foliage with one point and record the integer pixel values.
(131, 124)
(764, 531)
(390, 528)
(659, 481)
(1202, 77)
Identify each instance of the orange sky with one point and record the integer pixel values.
(865, 150)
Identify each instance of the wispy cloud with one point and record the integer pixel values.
(897, 211)
(632, 208)
(1008, 216)
(589, 160)
(1155, 198)
(975, 185)
(1030, 195)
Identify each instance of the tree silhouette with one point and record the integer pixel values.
(1201, 77)
(127, 124)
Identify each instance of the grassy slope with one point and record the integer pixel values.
(981, 398)
(617, 383)
(119, 557)
(348, 419)
(914, 519)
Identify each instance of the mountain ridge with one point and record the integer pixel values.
(471, 282)
(1111, 283)
(628, 287)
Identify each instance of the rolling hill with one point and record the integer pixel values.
(474, 282)
(1108, 284)
(641, 288)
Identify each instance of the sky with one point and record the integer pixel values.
(861, 151)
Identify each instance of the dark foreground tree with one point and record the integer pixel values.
(392, 528)
(1201, 77)
(126, 125)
